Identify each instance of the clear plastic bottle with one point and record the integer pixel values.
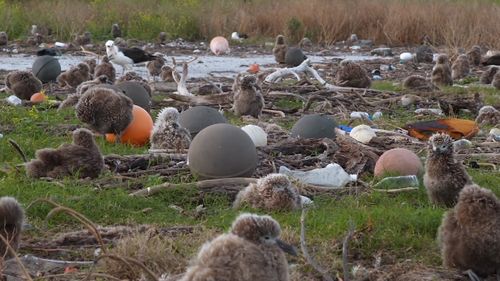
(397, 182)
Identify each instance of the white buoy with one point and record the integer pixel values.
(405, 57)
(257, 134)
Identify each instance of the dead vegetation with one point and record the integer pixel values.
(393, 22)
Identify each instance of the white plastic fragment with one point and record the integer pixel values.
(333, 175)
(257, 134)
(362, 133)
(305, 200)
(359, 115)
(14, 100)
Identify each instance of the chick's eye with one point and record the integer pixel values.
(267, 237)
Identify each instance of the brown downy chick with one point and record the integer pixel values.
(11, 223)
(23, 84)
(74, 76)
(167, 133)
(247, 98)
(418, 83)
(469, 235)
(271, 193)
(351, 74)
(72, 100)
(82, 158)
(4, 39)
(155, 66)
(488, 115)
(133, 76)
(474, 55)
(280, 49)
(92, 64)
(116, 31)
(488, 74)
(84, 39)
(441, 72)
(105, 110)
(251, 251)
(105, 68)
(444, 176)
(166, 73)
(496, 80)
(460, 68)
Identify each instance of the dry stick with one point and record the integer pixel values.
(200, 184)
(303, 247)
(345, 248)
(19, 150)
(102, 275)
(277, 112)
(13, 252)
(84, 220)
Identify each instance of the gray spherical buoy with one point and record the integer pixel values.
(136, 93)
(222, 151)
(198, 118)
(294, 56)
(314, 126)
(46, 68)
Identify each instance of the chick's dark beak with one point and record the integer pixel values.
(287, 248)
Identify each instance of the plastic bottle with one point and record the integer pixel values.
(360, 115)
(397, 182)
(333, 175)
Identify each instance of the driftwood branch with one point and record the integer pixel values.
(205, 184)
(216, 99)
(181, 83)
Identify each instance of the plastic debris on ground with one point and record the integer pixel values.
(333, 175)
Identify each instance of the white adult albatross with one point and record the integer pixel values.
(126, 57)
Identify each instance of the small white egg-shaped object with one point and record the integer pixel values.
(404, 57)
(257, 134)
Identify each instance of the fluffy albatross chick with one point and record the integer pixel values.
(273, 192)
(418, 83)
(469, 235)
(133, 76)
(444, 176)
(441, 72)
(11, 222)
(73, 99)
(251, 251)
(74, 76)
(81, 158)
(155, 66)
(105, 68)
(351, 74)
(460, 68)
(280, 49)
(23, 84)
(247, 98)
(105, 110)
(167, 133)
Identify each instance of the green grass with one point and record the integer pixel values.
(402, 225)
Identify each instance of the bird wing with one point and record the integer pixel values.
(137, 54)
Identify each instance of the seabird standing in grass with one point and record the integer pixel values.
(126, 57)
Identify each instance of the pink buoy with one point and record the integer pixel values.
(219, 45)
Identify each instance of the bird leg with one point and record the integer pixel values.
(473, 276)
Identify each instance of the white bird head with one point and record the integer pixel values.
(110, 47)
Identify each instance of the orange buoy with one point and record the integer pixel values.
(38, 97)
(138, 131)
(254, 68)
(219, 45)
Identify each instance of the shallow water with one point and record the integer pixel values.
(206, 65)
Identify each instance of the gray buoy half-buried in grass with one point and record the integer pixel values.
(222, 151)
(314, 126)
(46, 68)
(136, 93)
(198, 118)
